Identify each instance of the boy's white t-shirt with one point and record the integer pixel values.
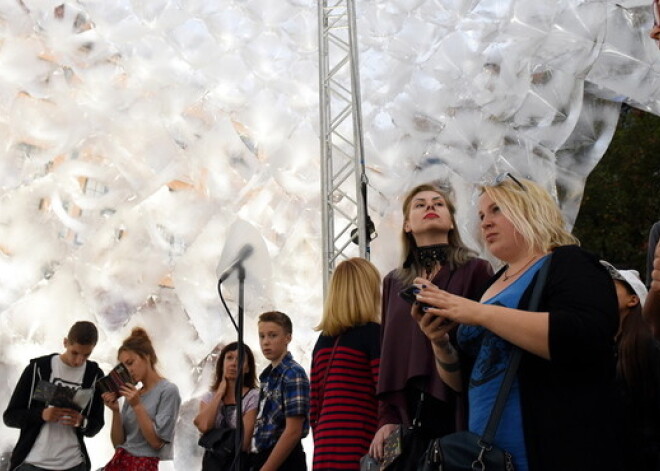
(57, 446)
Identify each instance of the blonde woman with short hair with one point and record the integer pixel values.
(345, 364)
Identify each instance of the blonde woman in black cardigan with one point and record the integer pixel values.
(559, 414)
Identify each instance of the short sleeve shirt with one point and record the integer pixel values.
(162, 405)
(250, 402)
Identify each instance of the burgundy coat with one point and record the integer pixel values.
(406, 354)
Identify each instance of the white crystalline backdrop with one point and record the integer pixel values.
(136, 134)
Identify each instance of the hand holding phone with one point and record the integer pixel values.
(409, 294)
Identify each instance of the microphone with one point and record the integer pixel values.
(243, 254)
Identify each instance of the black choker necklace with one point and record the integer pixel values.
(427, 257)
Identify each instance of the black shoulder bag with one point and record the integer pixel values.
(219, 446)
(467, 451)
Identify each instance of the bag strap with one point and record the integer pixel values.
(417, 423)
(327, 369)
(514, 361)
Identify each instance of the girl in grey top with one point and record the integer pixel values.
(143, 431)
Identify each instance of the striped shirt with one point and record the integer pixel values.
(284, 393)
(344, 408)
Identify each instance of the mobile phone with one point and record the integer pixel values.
(408, 295)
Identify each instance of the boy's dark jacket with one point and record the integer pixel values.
(24, 413)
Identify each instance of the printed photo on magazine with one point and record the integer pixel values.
(62, 396)
(114, 380)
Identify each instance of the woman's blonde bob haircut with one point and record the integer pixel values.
(533, 213)
(353, 297)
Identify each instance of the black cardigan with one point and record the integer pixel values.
(24, 413)
(569, 403)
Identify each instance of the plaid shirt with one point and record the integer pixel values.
(284, 393)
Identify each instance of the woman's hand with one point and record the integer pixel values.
(110, 400)
(435, 327)
(130, 393)
(377, 444)
(655, 33)
(446, 305)
(222, 388)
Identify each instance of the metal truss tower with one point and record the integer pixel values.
(343, 177)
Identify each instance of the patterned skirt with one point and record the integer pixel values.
(124, 461)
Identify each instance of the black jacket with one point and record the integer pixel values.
(24, 413)
(569, 403)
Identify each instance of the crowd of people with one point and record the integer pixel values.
(428, 357)
(426, 354)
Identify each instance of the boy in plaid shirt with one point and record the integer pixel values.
(283, 417)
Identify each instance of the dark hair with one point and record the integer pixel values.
(634, 365)
(249, 376)
(83, 333)
(140, 343)
(278, 318)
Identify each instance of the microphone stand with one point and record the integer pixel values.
(238, 393)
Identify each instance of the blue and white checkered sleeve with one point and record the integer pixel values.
(296, 392)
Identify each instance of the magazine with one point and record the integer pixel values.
(114, 380)
(58, 395)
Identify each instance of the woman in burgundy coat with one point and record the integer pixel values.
(433, 249)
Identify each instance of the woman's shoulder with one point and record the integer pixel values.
(251, 394)
(573, 256)
(480, 262)
(569, 250)
(167, 387)
(476, 267)
(364, 332)
(368, 327)
(391, 276)
(251, 400)
(206, 396)
(474, 263)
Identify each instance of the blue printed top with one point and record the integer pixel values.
(284, 393)
(492, 355)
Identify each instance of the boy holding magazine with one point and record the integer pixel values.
(51, 432)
